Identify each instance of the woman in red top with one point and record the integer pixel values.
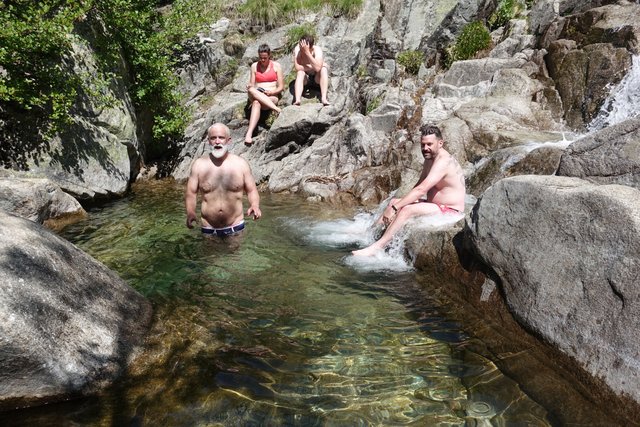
(265, 86)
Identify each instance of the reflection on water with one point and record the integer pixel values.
(276, 328)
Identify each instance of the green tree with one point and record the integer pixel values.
(35, 44)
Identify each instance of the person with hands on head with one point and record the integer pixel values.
(439, 190)
(222, 178)
(266, 84)
(308, 61)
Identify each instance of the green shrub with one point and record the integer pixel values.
(474, 37)
(35, 44)
(295, 33)
(375, 103)
(266, 13)
(186, 17)
(506, 10)
(411, 60)
(348, 8)
(362, 72)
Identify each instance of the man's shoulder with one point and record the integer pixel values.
(234, 158)
(202, 160)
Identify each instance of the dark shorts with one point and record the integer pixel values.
(223, 232)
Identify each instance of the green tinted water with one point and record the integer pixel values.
(275, 329)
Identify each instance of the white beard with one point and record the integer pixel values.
(219, 151)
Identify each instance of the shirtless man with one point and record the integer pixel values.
(439, 190)
(308, 61)
(223, 178)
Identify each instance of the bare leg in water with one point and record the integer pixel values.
(397, 222)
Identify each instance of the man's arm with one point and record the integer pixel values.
(296, 64)
(316, 60)
(434, 176)
(252, 193)
(190, 195)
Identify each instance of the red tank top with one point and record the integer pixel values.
(268, 76)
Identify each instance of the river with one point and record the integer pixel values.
(282, 327)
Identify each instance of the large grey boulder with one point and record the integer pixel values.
(589, 52)
(544, 12)
(608, 156)
(498, 122)
(96, 155)
(566, 252)
(462, 13)
(68, 324)
(38, 200)
(409, 22)
(526, 159)
(584, 76)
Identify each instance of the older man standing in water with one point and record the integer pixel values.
(222, 178)
(439, 190)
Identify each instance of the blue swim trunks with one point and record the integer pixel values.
(223, 232)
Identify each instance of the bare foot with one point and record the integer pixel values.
(368, 251)
(325, 102)
(296, 103)
(248, 141)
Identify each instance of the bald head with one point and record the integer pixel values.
(219, 126)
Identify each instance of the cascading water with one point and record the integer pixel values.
(623, 102)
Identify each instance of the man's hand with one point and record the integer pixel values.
(388, 215)
(255, 212)
(190, 219)
(304, 47)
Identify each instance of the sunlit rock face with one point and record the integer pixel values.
(68, 324)
(588, 52)
(39, 200)
(566, 252)
(609, 156)
(98, 152)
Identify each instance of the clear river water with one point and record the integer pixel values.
(282, 327)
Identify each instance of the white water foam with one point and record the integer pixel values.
(567, 139)
(362, 230)
(355, 233)
(623, 102)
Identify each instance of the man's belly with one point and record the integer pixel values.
(219, 215)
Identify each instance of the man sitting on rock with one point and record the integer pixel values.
(439, 190)
(309, 63)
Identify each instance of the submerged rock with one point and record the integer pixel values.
(68, 324)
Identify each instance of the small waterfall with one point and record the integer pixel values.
(362, 230)
(623, 102)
